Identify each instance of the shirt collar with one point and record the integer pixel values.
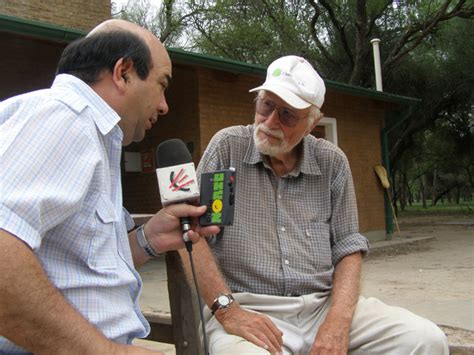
(84, 96)
(252, 156)
(307, 165)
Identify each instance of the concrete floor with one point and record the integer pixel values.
(434, 279)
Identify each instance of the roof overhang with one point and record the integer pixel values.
(40, 30)
(234, 66)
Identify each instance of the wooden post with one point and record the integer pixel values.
(184, 309)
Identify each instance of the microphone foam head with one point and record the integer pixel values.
(172, 152)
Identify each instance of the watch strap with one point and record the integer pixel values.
(217, 305)
(144, 244)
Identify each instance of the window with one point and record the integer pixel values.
(326, 129)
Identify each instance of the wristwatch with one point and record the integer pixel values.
(222, 301)
(144, 244)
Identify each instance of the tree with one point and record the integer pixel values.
(168, 21)
(423, 50)
(335, 34)
(441, 161)
(423, 53)
(438, 73)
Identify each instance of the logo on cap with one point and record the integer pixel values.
(277, 72)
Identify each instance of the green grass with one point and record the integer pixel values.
(416, 208)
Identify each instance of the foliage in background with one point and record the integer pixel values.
(434, 150)
(167, 19)
(426, 52)
(444, 208)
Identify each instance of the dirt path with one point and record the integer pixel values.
(434, 279)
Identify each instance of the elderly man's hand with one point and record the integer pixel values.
(163, 230)
(255, 327)
(332, 339)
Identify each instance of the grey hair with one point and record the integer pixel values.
(314, 114)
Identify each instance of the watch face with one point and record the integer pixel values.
(223, 300)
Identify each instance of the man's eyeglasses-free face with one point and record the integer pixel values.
(286, 116)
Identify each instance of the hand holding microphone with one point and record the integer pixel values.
(164, 228)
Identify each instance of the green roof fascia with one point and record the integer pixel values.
(204, 60)
(370, 93)
(55, 33)
(181, 56)
(37, 29)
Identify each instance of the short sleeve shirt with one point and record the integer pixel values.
(289, 232)
(61, 194)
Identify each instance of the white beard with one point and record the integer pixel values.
(265, 147)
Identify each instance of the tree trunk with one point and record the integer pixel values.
(408, 190)
(401, 188)
(433, 192)
(422, 190)
(442, 195)
(457, 195)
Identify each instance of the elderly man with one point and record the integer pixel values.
(68, 282)
(291, 262)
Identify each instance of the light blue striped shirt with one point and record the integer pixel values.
(60, 192)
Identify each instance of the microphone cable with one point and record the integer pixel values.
(189, 248)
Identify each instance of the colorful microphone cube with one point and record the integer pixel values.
(218, 194)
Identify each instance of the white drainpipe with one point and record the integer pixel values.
(378, 70)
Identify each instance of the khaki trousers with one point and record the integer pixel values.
(376, 327)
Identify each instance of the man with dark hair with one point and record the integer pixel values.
(87, 57)
(68, 282)
(291, 261)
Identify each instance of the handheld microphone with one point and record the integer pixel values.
(178, 183)
(176, 175)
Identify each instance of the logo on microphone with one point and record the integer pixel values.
(179, 182)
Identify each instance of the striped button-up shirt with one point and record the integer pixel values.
(289, 232)
(61, 194)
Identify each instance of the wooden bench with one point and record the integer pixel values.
(182, 328)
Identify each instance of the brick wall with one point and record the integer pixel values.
(30, 65)
(203, 101)
(359, 122)
(224, 101)
(77, 14)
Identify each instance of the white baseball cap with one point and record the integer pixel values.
(295, 81)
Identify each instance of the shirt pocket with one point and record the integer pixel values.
(319, 242)
(103, 251)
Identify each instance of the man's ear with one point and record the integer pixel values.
(122, 73)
